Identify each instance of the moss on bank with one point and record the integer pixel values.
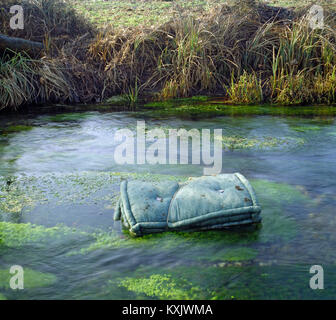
(217, 108)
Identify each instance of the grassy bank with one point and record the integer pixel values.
(247, 52)
(151, 13)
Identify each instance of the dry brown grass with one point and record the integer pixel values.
(263, 55)
(53, 21)
(251, 55)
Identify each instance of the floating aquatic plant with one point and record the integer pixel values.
(19, 234)
(162, 286)
(217, 283)
(264, 143)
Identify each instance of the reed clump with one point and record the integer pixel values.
(24, 80)
(252, 54)
(61, 73)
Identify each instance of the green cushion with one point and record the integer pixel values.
(209, 202)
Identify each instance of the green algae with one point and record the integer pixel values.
(172, 241)
(234, 142)
(74, 116)
(162, 286)
(279, 223)
(12, 198)
(216, 108)
(238, 142)
(306, 128)
(86, 188)
(15, 196)
(231, 255)
(16, 235)
(277, 226)
(102, 241)
(15, 129)
(218, 283)
(271, 282)
(2, 297)
(26, 192)
(176, 102)
(32, 279)
(273, 198)
(278, 193)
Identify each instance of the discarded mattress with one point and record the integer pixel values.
(205, 203)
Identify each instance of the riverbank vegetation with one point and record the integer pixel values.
(245, 51)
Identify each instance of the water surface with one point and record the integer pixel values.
(59, 183)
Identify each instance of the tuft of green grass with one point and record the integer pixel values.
(24, 80)
(247, 90)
